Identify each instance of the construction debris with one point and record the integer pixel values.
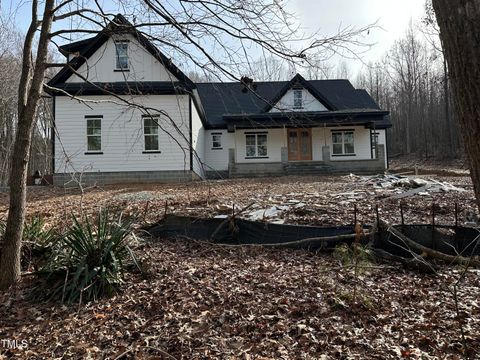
(318, 201)
(398, 184)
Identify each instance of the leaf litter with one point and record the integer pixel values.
(292, 200)
(201, 301)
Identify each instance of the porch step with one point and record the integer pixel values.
(307, 168)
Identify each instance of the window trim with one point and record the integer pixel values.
(374, 135)
(343, 132)
(217, 147)
(99, 151)
(120, 69)
(256, 145)
(296, 91)
(145, 151)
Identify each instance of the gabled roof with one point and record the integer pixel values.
(88, 47)
(298, 80)
(76, 46)
(225, 104)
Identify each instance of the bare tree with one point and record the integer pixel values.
(9, 73)
(29, 92)
(459, 30)
(214, 37)
(411, 81)
(269, 69)
(432, 34)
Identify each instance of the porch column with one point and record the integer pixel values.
(284, 149)
(326, 153)
(231, 156)
(284, 154)
(380, 153)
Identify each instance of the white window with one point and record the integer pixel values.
(256, 145)
(121, 55)
(343, 143)
(298, 99)
(374, 141)
(94, 134)
(216, 141)
(150, 133)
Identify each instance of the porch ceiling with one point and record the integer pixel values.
(369, 118)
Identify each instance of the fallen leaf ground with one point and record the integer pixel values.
(327, 200)
(211, 302)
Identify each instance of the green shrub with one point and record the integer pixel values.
(36, 243)
(34, 232)
(88, 262)
(353, 255)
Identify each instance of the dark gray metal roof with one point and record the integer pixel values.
(222, 100)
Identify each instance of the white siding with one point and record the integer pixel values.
(142, 65)
(122, 135)
(198, 142)
(217, 159)
(361, 138)
(276, 139)
(310, 103)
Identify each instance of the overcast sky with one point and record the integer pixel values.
(393, 16)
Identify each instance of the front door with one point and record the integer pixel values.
(299, 144)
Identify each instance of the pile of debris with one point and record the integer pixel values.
(413, 184)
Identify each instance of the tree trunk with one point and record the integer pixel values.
(451, 146)
(29, 92)
(459, 23)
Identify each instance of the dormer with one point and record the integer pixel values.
(298, 95)
(298, 98)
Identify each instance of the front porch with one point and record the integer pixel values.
(265, 169)
(306, 151)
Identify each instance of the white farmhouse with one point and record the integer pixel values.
(125, 113)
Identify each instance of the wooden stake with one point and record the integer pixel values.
(433, 226)
(456, 215)
(355, 214)
(401, 213)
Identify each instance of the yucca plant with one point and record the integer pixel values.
(2, 232)
(89, 260)
(37, 242)
(34, 232)
(2, 227)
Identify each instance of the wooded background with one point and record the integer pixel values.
(10, 67)
(410, 80)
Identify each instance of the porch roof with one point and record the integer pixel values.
(370, 118)
(223, 104)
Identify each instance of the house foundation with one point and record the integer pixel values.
(123, 177)
(325, 167)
